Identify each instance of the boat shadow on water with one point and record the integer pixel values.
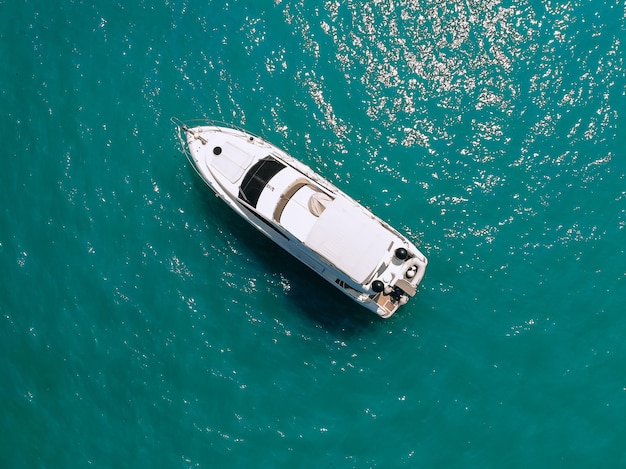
(308, 293)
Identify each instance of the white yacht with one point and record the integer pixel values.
(306, 215)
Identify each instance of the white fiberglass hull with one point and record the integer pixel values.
(307, 216)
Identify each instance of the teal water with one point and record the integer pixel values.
(143, 325)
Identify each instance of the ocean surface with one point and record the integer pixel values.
(142, 324)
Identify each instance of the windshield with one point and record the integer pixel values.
(257, 178)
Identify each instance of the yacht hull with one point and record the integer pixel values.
(306, 215)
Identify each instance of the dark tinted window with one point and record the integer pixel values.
(257, 178)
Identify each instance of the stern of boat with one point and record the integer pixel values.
(407, 270)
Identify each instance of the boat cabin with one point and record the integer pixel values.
(333, 226)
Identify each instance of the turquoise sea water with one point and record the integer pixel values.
(144, 325)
